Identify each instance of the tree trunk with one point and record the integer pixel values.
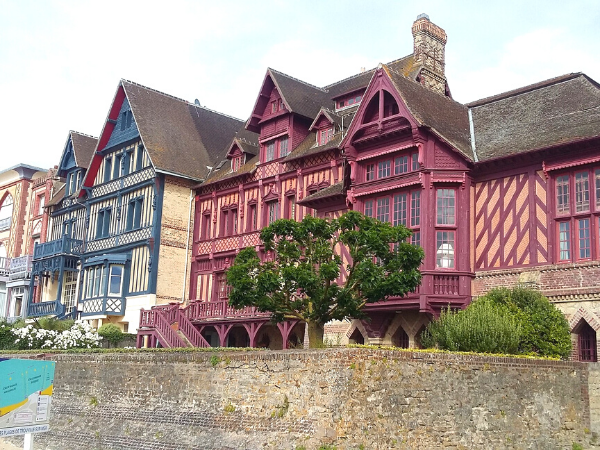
(315, 334)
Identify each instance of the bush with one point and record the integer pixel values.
(80, 335)
(7, 338)
(51, 323)
(544, 329)
(111, 332)
(483, 327)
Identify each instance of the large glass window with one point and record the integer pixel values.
(272, 212)
(115, 285)
(562, 194)
(383, 209)
(445, 249)
(582, 192)
(384, 169)
(584, 244)
(270, 153)
(564, 241)
(446, 206)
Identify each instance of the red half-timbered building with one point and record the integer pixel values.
(501, 191)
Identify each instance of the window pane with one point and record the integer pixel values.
(415, 161)
(415, 239)
(370, 172)
(415, 208)
(564, 241)
(445, 249)
(283, 146)
(583, 226)
(97, 278)
(116, 274)
(369, 208)
(399, 209)
(383, 209)
(445, 206)
(562, 194)
(273, 212)
(582, 192)
(270, 151)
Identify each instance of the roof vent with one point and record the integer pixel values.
(197, 102)
(423, 16)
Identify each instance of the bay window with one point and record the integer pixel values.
(400, 208)
(445, 228)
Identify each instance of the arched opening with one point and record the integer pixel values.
(356, 337)
(6, 211)
(210, 334)
(238, 337)
(400, 338)
(372, 110)
(418, 337)
(269, 337)
(390, 106)
(587, 343)
(296, 337)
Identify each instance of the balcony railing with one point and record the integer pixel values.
(200, 310)
(54, 308)
(109, 306)
(4, 267)
(20, 268)
(62, 246)
(5, 223)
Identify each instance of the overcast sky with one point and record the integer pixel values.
(61, 61)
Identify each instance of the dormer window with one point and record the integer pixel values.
(349, 101)
(236, 163)
(277, 148)
(273, 107)
(325, 135)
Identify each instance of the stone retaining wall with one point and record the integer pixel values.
(350, 398)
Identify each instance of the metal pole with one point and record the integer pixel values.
(28, 444)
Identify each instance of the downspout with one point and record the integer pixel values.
(472, 130)
(187, 246)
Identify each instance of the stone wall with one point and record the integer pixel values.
(350, 398)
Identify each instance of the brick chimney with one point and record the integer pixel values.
(429, 50)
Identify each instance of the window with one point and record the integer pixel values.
(445, 249)
(103, 223)
(225, 225)
(400, 165)
(400, 212)
(587, 343)
(134, 214)
(280, 106)
(562, 194)
(415, 161)
(223, 287)
(117, 166)
(252, 217)
(290, 210)
(270, 154)
(107, 168)
(283, 147)
(582, 192)
(384, 169)
(383, 209)
(370, 172)
(272, 212)
(583, 239)
(41, 201)
(6, 211)
(325, 136)
(233, 216)
(445, 207)
(205, 231)
(415, 209)
(115, 282)
(273, 107)
(126, 163)
(69, 289)
(139, 157)
(236, 163)
(564, 241)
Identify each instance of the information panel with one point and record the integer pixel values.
(25, 395)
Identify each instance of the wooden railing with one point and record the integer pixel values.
(44, 309)
(4, 266)
(445, 284)
(190, 331)
(154, 319)
(20, 268)
(220, 309)
(64, 245)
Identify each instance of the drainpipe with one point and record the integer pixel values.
(187, 246)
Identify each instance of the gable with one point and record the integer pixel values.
(67, 160)
(264, 97)
(125, 128)
(322, 122)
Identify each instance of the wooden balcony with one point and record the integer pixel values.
(4, 266)
(54, 308)
(220, 310)
(63, 246)
(103, 306)
(20, 268)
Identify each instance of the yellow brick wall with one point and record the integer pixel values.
(172, 253)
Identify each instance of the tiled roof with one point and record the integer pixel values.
(57, 197)
(334, 190)
(308, 147)
(83, 148)
(180, 137)
(447, 118)
(225, 172)
(301, 98)
(553, 112)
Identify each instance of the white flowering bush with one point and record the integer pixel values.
(81, 335)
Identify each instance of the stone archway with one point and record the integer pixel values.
(584, 327)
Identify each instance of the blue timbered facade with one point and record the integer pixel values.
(110, 234)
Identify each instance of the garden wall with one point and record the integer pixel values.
(351, 398)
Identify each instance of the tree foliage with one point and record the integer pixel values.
(484, 327)
(111, 333)
(305, 278)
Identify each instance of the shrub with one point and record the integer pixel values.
(80, 335)
(544, 329)
(51, 323)
(7, 338)
(111, 332)
(483, 327)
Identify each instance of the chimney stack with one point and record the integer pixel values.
(429, 50)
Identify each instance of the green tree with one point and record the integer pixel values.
(544, 329)
(111, 332)
(304, 279)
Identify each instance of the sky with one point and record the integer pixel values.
(61, 60)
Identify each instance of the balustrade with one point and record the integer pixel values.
(44, 309)
(220, 309)
(114, 306)
(20, 267)
(4, 266)
(445, 284)
(64, 245)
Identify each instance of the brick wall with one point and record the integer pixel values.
(347, 397)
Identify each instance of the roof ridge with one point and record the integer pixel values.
(180, 99)
(297, 79)
(83, 134)
(360, 73)
(524, 89)
(246, 141)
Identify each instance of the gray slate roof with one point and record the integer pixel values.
(553, 112)
(180, 137)
(83, 148)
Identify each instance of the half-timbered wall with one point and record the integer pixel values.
(510, 223)
(132, 157)
(75, 217)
